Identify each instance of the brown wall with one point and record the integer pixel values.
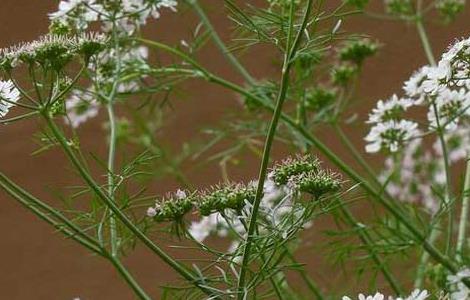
(35, 263)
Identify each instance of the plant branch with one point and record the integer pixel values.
(292, 49)
(117, 211)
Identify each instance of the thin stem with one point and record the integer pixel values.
(117, 211)
(219, 43)
(357, 156)
(367, 240)
(269, 140)
(464, 213)
(313, 141)
(447, 196)
(310, 283)
(111, 158)
(128, 278)
(20, 117)
(112, 141)
(423, 35)
(421, 271)
(433, 235)
(50, 215)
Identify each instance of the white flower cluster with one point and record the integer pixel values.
(445, 91)
(389, 131)
(414, 176)
(9, 95)
(415, 295)
(459, 290)
(412, 173)
(123, 17)
(130, 14)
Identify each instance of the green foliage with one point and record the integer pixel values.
(399, 7)
(360, 4)
(450, 9)
(220, 198)
(357, 51)
(291, 167)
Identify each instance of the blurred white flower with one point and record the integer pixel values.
(460, 290)
(78, 12)
(80, 107)
(9, 95)
(451, 105)
(202, 229)
(415, 295)
(151, 212)
(377, 296)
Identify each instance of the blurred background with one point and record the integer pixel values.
(36, 263)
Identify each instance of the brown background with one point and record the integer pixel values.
(37, 264)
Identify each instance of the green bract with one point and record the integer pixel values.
(232, 196)
(317, 183)
(399, 7)
(173, 208)
(342, 74)
(52, 51)
(319, 98)
(358, 50)
(449, 9)
(290, 167)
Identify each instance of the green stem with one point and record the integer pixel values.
(421, 271)
(367, 240)
(433, 235)
(117, 211)
(447, 196)
(128, 278)
(357, 156)
(269, 141)
(310, 283)
(112, 140)
(219, 43)
(38, 207)
(425, 42)
(434, 253)
(464, 213)
(111, 158)
(66, 227)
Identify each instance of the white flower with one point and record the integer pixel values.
(80, 107)
(391, 135)
(416, 295)
(451, 105)
(132, 14)
(436, 78)
(410, 177)
(180, 194)
(460, 290)
(151, 212)
(451, 53)
(9, 95)
(202, 229)
(413, 87)
(377, 296)
(79, 12)
(390, 109)
(458, 143)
